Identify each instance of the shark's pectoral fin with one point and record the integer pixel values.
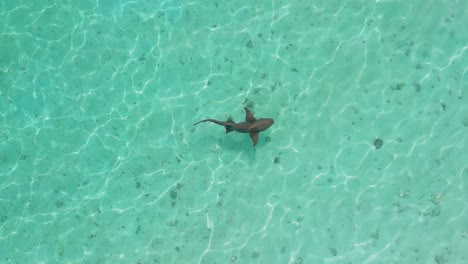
(254, 137)
(249, 117)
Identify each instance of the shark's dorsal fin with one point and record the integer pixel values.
(249, 117)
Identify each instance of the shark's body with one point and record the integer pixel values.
(251, 125)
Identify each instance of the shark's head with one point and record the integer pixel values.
(264, 123)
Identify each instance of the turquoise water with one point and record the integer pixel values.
(366, 162)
